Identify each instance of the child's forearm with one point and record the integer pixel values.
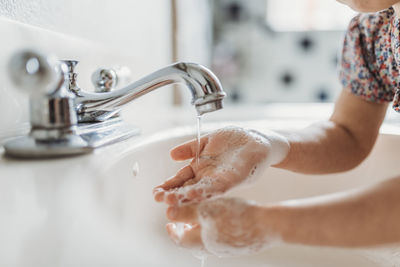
(322, 148)
(354, 219)
(338, 144)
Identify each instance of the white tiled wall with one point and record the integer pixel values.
(259, 57)
(98, 33)
(313, 72)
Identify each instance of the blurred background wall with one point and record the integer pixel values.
(268, 51)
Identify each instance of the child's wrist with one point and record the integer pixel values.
(277, 223)
(278, 146)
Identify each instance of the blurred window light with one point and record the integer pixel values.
(307, 15)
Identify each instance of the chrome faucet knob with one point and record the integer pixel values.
(52, 107)
(32, 71)
(104, 80)
(53, 115)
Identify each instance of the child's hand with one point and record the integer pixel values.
(227, 158)
(224, 227)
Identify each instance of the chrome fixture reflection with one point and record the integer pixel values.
(67, 120)
(207, 93)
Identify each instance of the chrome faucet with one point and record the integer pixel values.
(207, 93)
(66, 120)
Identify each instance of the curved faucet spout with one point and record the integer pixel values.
(206, 90)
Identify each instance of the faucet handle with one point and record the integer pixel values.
(107, 79)
(52, 107)
(35, 72)
(104, 80)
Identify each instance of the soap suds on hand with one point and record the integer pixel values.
(224, 232)
(218, 215)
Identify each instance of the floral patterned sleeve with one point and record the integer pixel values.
(368, 68)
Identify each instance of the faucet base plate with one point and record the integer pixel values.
(89, 136)
(108, 132)
(28, 147)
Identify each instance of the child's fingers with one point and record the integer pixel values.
(183, 175)
(188, 237)
(175, 197)
(192, 237)
(189, 192)
(184, 213)
(158, 194)
(188, 150)
(171, 198)
(186, 188)
(195, 191)
(198, 192)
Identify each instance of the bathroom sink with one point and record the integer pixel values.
(98, 210)
(126, 199)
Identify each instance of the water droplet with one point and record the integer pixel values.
(135, 169)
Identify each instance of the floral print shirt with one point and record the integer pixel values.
(371, 57)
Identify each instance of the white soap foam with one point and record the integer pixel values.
(242, 240)
(276, 145)
(385, 256)
(256, 173)
(202, 188)
(279, 145)
(179, 230)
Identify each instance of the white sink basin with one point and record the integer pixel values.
(98, 210)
